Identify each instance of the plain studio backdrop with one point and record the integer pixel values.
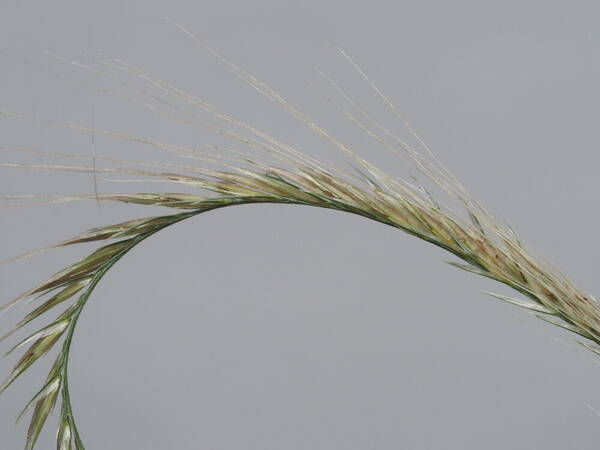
(283, 327)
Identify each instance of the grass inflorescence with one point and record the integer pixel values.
(483, 245)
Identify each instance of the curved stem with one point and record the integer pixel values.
(67, 411)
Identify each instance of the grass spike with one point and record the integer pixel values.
(458, 224)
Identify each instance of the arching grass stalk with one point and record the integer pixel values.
(484, 245)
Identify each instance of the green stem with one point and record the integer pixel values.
(67, 409)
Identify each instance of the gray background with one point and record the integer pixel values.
(271, 327)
